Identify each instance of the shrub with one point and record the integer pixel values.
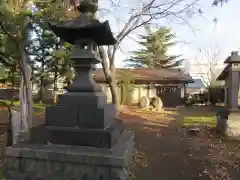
(216, 94)
(126, 88)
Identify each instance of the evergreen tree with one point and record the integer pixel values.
(153, 53)
(9, 59)
(3, 72)
(17, 19)
(41, 53)
(61, 66)
(49, 58)
(47, 67)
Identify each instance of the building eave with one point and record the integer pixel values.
(224, 74)
(147, 75)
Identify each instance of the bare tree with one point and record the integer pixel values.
(140, 13)
(208, 65)
(145, 12)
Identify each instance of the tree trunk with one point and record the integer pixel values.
(13, 85)
(25, 93)
(32, 80)
(113, 82)
(41, 90)
(110, 75)
(55, 85)
(113, 88)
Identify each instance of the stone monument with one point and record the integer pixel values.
(231, 76)
(81, 138)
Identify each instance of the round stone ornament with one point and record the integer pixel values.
(144, 102)
(157, 103)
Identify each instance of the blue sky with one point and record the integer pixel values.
(200, 33)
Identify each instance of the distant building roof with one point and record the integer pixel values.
(224, 74)
(148, 75)
(233, 58)
(197, 84)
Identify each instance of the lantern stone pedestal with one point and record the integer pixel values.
(233, 125)
(62, 162)
(81, 138)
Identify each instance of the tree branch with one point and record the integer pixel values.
(7, 33)
(103, 56)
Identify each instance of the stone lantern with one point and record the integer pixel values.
(81, 138)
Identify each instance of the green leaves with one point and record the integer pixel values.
(155, 45)
(3, 72)
(26, 22)
(127, 87)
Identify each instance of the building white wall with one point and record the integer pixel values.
(138, 92)
(182, 91)
(152, 91)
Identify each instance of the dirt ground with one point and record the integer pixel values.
(164, 150)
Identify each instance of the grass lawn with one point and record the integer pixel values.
(209, 121)
(203, 116)
(38, 108)
(17, 103)
(165, 147)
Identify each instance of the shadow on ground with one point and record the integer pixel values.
(164, 150)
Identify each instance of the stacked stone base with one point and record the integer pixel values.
(61, 162)
(233, 129)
